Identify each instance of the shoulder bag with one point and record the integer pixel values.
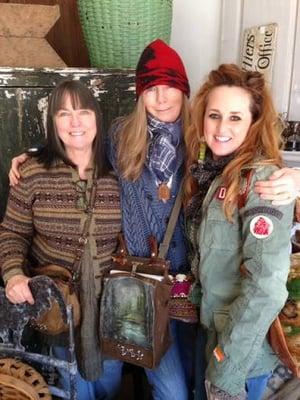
(134, 310)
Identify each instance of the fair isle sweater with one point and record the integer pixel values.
(43, 223)
(143, 214)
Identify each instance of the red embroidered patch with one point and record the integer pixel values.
(261, 226)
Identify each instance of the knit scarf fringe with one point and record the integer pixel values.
(87, 341)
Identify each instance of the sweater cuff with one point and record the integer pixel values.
(12, 272)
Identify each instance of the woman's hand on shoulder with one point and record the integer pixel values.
(282, 187)
(17, 290)
(14, 174)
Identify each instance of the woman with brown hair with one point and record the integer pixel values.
(44, 225)
(240, 241)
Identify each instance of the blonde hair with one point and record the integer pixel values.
(263, 138)
(134, 138)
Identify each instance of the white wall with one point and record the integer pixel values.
(195, 35)
(294, 106)
(262, 12)
(209, 32)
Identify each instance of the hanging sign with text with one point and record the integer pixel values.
(258, 49)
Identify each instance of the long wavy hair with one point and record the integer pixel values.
(263, 140)
(81, 97)
(135, 139)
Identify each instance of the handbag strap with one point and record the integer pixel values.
(82, 241)
(164, 246)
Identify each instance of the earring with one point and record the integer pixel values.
(202, 150)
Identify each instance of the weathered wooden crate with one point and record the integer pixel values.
(23, 104)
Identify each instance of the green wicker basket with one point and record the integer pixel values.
(116, 31)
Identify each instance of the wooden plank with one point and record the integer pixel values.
(66, 36)
(282, 12)
(35, 52)
(27, 20)
(259, 49)
(49, 77)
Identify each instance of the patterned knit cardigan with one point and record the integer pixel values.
(43, 223)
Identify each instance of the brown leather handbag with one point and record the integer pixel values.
(52, 322)
(134, 313)
(134, 310)
(284, 333)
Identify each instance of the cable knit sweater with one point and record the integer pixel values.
(143, 214)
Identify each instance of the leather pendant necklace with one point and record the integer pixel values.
(164, 192)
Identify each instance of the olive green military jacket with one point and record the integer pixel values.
(238, 308)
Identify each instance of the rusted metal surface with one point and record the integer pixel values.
(23, 105)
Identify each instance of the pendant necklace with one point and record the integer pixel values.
(164, 192)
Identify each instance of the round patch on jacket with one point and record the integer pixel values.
(261, 227)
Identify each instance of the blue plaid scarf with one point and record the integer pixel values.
(165, 138)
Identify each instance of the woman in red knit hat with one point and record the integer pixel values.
(146, 150)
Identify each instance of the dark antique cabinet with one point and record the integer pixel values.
(23, 104)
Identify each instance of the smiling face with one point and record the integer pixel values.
(76, 128)
(163, 102)
(227, 119)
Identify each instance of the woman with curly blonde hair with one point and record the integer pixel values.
(240, 241)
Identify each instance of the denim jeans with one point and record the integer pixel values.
(201, 364)
(105, 387)
(168, 380)
(256, 386)
(186, 337)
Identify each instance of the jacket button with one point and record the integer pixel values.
(149, 197)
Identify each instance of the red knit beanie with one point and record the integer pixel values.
(159, 64)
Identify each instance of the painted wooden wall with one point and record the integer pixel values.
(23, 105)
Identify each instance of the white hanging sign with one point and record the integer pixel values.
(258, 49)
